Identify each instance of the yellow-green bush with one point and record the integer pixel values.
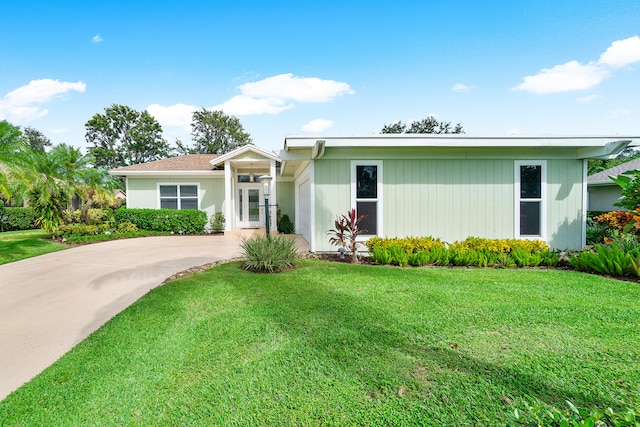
(409, 244)
(500, 246)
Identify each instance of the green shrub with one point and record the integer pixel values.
(420, 258)
(410, 244)
(398, 256)
(503, 246)
(99, 216)
(269, 253)
(187, 221)
(75, 230)
(73, 217)
(15, 219)
(217, 222)
(127, 227)
(285, 225)
(381, 256)
(608, 259)
(550, 258)
(540, 416)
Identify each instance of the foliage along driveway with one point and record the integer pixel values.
(50, 303)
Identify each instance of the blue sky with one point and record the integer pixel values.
(332, 67)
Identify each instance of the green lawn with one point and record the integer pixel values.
(338, 344)
(17, 245)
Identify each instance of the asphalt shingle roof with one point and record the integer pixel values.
(189, 162)
(614, 171)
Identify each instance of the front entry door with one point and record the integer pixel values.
(249, 212)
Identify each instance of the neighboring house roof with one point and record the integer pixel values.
(602, 178)
(194, 163)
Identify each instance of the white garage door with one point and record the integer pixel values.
(304, 211)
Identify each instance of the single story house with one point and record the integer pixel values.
(447, 186)
(603, 192)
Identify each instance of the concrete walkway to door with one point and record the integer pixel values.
(50, 303)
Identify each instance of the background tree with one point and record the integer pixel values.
(626, 155)
(427, 125)
(12, 156)
(214, 132)
(123, 136)
(55, 178)
(35, 139)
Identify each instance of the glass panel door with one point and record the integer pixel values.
(254, 204)
(249, 208)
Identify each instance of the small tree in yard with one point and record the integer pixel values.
(629, 183)
(346, 232)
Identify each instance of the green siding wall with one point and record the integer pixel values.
(143, 193)
(286, 198)
(452, 199)
(332, 197)
(565, 210)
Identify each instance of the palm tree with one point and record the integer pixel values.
(70, 166)
(12, 155)
(40, 186)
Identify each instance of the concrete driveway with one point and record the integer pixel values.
(50, 303)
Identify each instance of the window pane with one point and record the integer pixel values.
(531, 182)
(188, 191)
(169, 203)
(370, 210)
(366, 182)
(530, 219)
(244, 178)
(254, 204)
(188, 204)
(240, 204)
(168, 191)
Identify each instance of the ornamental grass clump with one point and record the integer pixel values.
(269, 254)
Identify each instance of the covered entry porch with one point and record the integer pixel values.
(244, 207)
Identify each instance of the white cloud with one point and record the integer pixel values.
(59, 130)
(97, 39)
(174, 115)
(622, 52)
(23, 103)
(243, 105)
(563, 78)
(303, 89)
(271, 95)
(317, 125)
(461, 87)
(576, 76)
(588, 99)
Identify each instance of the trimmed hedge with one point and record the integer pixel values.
(14, 219)
(186, 221)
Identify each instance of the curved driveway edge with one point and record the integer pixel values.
(50, 303)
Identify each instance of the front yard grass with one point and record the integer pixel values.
(17, 245)
(339, 344)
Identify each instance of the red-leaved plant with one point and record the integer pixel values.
(346, 232)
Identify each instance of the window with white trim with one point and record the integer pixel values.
(366, 194)
(530, 197)
(178, 196)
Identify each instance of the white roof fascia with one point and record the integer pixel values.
(238, 151)
(318, 150)
(452, 141)
(175, 173)
(600, 183)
